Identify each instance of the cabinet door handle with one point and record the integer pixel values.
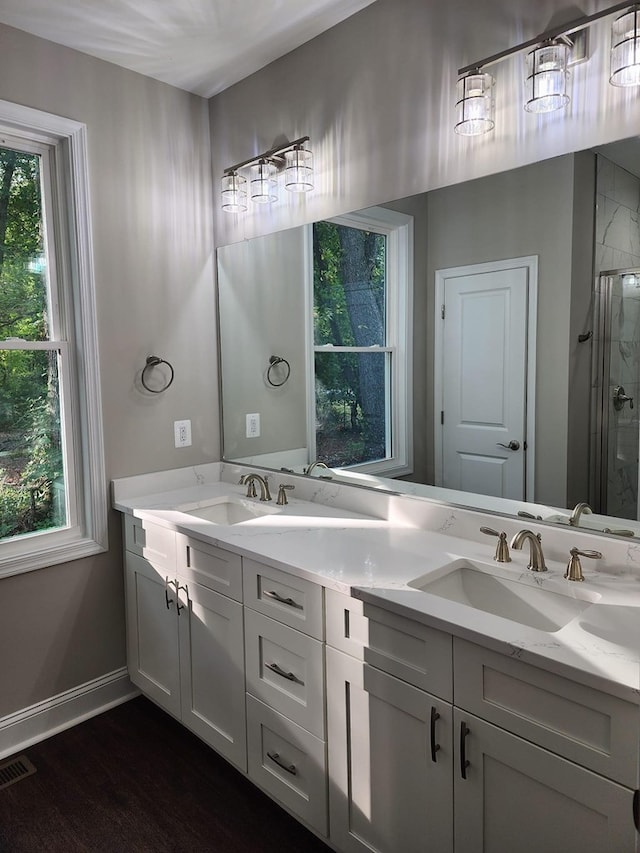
(464, 731)
(180, 586)
(290, 768)
(279, 598)
(636, 809)
(167, 584)
(290, 676)
(434, 746)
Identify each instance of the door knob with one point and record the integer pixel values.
(620, 398)
(513, 445)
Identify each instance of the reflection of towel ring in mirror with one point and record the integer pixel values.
(154, 361)
(274, 361)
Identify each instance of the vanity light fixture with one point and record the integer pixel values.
(546, 82)
(625, 49)
(474, 104)
(548, 58)
(293, 158)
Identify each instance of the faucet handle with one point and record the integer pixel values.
(574, 567)
(502, 548)
(282, 494)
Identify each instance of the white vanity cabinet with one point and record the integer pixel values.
(390, 742)
(184, 639)
(527, 760)
(553, 765)
(284, 659)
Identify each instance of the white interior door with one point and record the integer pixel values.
(484, 367)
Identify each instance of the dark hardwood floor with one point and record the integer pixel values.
(133, 780)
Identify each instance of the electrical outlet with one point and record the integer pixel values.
(182, 433)
(253, 425)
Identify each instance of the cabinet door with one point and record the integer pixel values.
(152, 634)
(390, 762)
(517, 796)
(212, 670)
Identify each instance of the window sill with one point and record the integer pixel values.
(29, 558)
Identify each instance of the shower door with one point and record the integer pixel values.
(616, 394)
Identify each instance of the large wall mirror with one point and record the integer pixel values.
(520, 329)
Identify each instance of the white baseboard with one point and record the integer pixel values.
(44, 719)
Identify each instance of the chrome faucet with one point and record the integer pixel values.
(316, 464)
(578, 510)
(536, 557)
(249, 482)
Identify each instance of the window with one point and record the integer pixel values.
(52, 481)
(362, 342)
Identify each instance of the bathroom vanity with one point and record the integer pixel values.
(362, 658)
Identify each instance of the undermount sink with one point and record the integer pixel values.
(227, 510)
(528, 604)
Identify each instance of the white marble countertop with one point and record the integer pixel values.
(377, 551)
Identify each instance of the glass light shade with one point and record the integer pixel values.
(234, 193)
(298, 170)
(474, 105)
(625, 49)
(263, 183)
(546, 83)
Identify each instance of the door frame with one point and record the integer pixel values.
(441, 278)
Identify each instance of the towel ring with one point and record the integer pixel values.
(274, 361)
(154, 361)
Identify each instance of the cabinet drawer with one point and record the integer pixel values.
(295, 601)
(346, 625)
(580, 723)
(285, 669)
(155, 543)
(210, 566)
(411, 651)
(288, 762)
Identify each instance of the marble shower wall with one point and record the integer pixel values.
(617, 246)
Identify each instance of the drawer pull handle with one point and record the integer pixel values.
(636, 809)
(434, 746)
(464, 731)
(290, 768)
(290, 676)
(279, 598)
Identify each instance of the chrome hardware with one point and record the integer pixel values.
(620, 398)
(288, 601)
(435, 716)
(574, 567)
(464, 763)
(536, 557)
(167, 584)
(290, 768)
(308, 470)
(249, 482)
(513, 445)
(502, 549)
(523, 514)
(290, 676)
(615, 532)
(282, 494)
(579, 509)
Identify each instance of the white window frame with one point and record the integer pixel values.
(74, 334)
(398, 229)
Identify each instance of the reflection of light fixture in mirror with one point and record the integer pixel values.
(625, 49)
(474, 104)
(234, 193)
(546, 81)
(263, 182)
(631, 280)
(298, 170)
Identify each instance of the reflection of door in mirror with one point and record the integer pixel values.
(619, 431)
(484, 378)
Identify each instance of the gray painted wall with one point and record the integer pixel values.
(151, 206)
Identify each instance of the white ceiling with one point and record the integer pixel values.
(202, 46)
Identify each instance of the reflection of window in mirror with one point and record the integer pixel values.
(362, 283)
